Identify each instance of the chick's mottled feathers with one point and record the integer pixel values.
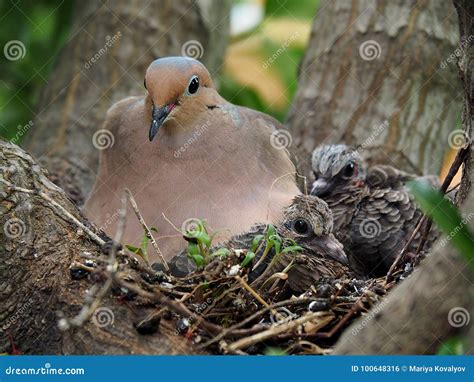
(374, 214)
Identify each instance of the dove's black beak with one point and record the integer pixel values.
(158, 117)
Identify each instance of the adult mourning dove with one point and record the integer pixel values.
(374, 213)
(306, 222)
(186, 153)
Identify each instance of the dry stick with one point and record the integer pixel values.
(63, 213)
(273, 331)
(89, 308)
(134, 205)
(175, 306)
(233, 330)
(460, 157)
(458, 161)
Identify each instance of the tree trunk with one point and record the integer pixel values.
(437, 301)
(111, 46)
(39, 251)
(378, 74)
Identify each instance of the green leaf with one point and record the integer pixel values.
(201, 237)
(198, 260)
(144, 243)
(291, 249)
(270, 230)
(256, 242)
(275, 351)
(221, 252)
(452, 346)
(131, 248)
(193, 249)
(248, 259)
(447, 217)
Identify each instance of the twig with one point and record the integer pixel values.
(458, 161)
(274, 330)
(174, 305)
(252, 292)
(401, 255)
(134, 205)
(93, 299)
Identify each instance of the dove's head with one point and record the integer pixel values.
(337, 169)
(308, 221)
(178, 89)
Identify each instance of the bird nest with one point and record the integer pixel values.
(219, 312)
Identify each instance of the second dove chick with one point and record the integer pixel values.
(374, 213)
(307, 222)
(185, 152)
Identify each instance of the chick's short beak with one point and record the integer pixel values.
(330, 246)
(321, 187)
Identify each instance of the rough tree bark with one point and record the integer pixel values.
(122, 37)
(376, 74)
(37, 248)
(414, 319)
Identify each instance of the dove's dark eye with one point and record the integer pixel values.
(193, 85)
(348, 171)
(301, 226)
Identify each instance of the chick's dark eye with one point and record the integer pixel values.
(348, 170)
(193, 85)
(301, 226)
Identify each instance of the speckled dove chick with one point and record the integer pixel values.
(307, 222)
(185, 152)
(374, 213)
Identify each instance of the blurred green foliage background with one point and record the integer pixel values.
(43, 26)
